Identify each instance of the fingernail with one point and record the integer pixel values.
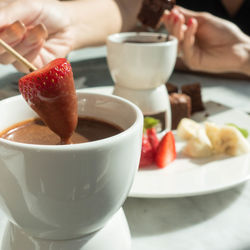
(166, 15)
(41, 30)
(18, 26)
(174, 11)
(176, 19)
(36, 33)
(14, 32)
(44, 30)
(190, 22)
(166, 12)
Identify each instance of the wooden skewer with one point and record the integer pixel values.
(20, 58)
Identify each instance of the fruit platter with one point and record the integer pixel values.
(184, 175)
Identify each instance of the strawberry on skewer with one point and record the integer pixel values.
(50, 92)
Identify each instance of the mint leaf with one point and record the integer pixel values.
(150, 122)
(243, 131)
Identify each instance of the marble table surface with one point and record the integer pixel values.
(218, 221)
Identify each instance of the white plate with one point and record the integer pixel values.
(189, 177)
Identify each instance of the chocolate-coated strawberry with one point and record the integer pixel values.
(50, 91)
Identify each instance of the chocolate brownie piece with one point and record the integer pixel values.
(171, 88)
(180, 108)
(194, 91)
(152, 10)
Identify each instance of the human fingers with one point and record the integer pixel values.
(189, 42)
(168, 21)
(187, 13)
(174, 23)
(33, 57)
(179, 26)
(13, 34)
(39, 57)
(33, 38)
(45, 57)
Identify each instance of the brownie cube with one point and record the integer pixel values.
(152, 10)
(194, 91)
(171, 88)
(180, 107)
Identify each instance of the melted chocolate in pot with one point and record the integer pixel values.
(34, 131)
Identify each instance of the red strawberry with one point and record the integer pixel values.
(147, 154)
(50, 91)
(166, 152)
(153, 139)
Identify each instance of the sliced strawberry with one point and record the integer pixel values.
(147, 154)
(153, 139)
(166, 152)
(50, 91)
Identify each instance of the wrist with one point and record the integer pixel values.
(244, 66)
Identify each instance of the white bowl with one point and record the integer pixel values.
(67, 191)
(141, 65)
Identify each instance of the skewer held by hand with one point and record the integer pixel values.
(20, 58)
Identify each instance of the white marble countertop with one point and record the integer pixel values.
(218, 221)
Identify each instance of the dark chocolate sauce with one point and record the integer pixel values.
(34, 131)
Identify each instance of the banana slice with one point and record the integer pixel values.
(209, 138)
(227, 140)
(187, 129)
(213, 133)
(199, 145)
(233, 142)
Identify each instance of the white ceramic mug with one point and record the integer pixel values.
(67, 191)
